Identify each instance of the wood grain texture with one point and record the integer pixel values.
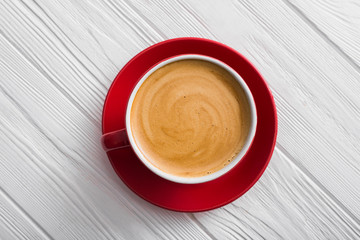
(58, 58)
(337, 21)
(16, 223)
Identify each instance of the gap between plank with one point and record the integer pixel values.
(62, 42)
(323, 35)
(50, 79)
(89, 214)
(26, 215)
(305, 172)
(200, 225)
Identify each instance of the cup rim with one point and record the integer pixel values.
(214, 175)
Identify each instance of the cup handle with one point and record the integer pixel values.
(114, 140)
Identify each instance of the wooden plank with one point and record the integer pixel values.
(337, 21)
(15, 223)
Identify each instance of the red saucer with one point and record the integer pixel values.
(191, 197)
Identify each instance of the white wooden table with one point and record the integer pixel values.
(58, 59)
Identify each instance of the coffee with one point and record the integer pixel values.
(190, 118)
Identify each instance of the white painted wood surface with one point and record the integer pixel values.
(58, 59)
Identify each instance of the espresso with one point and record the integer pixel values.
(190, 118)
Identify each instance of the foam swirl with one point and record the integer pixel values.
(190, 118)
